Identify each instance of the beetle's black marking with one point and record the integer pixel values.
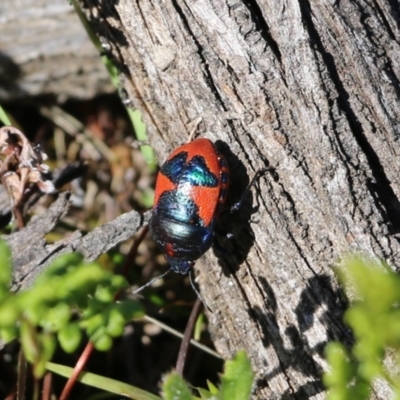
(177, 206)
(195, 172)
(187, 241)
(173, 167)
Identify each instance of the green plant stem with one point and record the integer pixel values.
(21, 380)
(36, 385)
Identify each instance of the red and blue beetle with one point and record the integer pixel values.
(191, 191)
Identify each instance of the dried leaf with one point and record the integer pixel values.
(21, 164)
(12, 183)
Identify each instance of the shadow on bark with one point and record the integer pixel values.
(234, 236)
(318, 296)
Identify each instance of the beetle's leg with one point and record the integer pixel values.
(237, 206)
(197, 292)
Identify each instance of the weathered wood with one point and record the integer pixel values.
(44, 50)
(309, 89)
(31, 253)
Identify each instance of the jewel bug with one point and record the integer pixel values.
(191, 192)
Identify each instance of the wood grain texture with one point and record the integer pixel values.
(309, 90)
(44, 50)
(32, 254)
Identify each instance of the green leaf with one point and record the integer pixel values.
(103, 342)
(57, 317)
(374, 318)
(70, 337)
(130, 309)
(116, 323)
(5, 265)
(175, 388)
(118, 282)
(205, 394)
(4, 292)
(43, 313)
(94, 323)
(198, 328)
(8, 334)
(85, 279)
(238, 378)
(4, 117)
(213, 389)
(9, 312)
(60, 266)
(337, 379)
(47, 345)
(100, 382)
(104, 294)
(140, 130)
(29, 342)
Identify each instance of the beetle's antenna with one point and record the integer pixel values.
(151, 282)
(197, 292)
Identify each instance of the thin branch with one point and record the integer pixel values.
(180, 364)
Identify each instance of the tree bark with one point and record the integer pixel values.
(309, 90)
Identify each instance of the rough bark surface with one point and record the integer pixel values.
(44, 50)
(31, 253)
(310, 90)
